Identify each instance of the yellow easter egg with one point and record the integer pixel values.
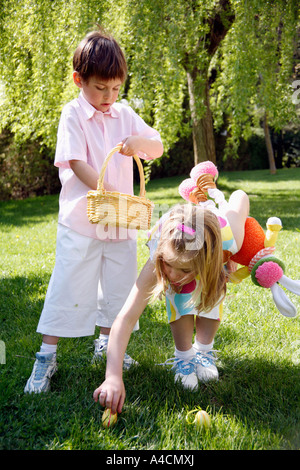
(202, 419)
(199, 418)
(109, 419)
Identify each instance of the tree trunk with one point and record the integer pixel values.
(203, 135)
(202, 129)
(268, 141)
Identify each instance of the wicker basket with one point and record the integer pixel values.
(119, 209)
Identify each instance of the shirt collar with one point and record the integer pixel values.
(90, 111)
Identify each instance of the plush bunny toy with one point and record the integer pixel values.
(256, 253)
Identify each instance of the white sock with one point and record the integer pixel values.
(185, 354)
(202, 347)
(48, 348)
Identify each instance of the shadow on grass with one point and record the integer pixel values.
(261, 395)
(258, 394)
(22, 299)
(28, 211)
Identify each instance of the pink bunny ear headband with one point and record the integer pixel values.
(185, 229)
(255, 254)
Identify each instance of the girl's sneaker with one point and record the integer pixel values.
(185, 371)
(44, 367)
(205, 366)
(101, 350)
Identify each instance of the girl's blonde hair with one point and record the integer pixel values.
(194, 236)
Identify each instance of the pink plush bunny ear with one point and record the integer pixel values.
(186, 188)
(204, 168)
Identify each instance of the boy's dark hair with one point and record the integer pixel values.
(100, 55)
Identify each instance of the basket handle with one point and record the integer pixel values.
(104, 166)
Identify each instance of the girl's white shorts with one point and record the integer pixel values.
(89, 284)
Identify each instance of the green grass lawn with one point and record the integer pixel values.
(255, 403)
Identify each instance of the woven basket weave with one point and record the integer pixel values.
(119, 209)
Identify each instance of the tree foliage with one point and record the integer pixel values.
(37, 44)
(184, 57)
(37, 41)
(255, 66)
(170, 45)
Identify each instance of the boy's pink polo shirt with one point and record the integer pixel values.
(87, 134)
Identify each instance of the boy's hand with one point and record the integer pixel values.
(131, 146)
(135, 143)
(111, 394)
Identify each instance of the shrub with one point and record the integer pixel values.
(26, 169)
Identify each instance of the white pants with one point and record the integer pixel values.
(89, 284)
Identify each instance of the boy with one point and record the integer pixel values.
(94, 270)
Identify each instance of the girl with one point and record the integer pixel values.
(186, 263)
(95, 268)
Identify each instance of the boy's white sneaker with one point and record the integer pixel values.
(44, 367)
(101, 351)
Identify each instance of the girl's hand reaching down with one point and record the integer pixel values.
(111, 394)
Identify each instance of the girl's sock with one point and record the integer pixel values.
(185, 354)
(48, 348)
(202, 347)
